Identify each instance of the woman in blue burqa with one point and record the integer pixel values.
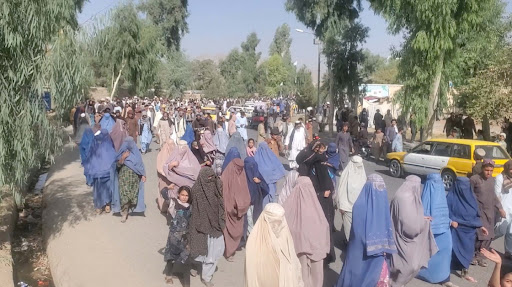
(85, 144)
(100, 170)
(258, 189)
(270, 168)
(435, 206)
(232, 154)
(371, 238)
(188, 136)
(465, 218)
(131, 178)
(237, 141)
(107, 122)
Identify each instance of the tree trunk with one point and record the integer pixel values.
(486, 128)
(114, 87)
(331, 101)
(434, 96)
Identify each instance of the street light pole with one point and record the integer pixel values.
(317, 42)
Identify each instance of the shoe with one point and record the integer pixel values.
(207, 284)
(193, 273)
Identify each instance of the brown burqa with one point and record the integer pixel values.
(132, 126)
(237, 201)
(309, 229)
(413, 237)
(118, 133)
(208, 211)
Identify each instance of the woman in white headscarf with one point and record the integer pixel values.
(270, 254)
(348, 188)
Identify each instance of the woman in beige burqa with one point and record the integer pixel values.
(270, 258)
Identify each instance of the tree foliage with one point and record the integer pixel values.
(489, 92)
(129, 48)
(171, 17)
(281, 43)
(38, 52)
(379, 70)
(433, 31)
(274, 74)
(306, 91)
(336, 24)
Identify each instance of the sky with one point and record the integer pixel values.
(217, 27)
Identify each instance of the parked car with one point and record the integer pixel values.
(248, 112)
(450, 157)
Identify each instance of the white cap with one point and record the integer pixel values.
(82, 115)
(298, 122)
(504, 135)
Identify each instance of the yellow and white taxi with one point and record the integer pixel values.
(450, 157)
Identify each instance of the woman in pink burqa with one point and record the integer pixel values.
(181, 168)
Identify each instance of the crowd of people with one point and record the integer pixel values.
(218, 190)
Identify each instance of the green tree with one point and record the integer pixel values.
(379, 70)
(274, 74)
(488, 95)
(306, 91)
(174, 74)
(207, 77)
(281, 43)
(38, 52)
(171, 17)
(230, 69)
(249, 68)
(336, 24)
(433, 29)
(130, 48)
(240, 68)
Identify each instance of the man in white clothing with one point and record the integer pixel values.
(241, 125)
(295, 142)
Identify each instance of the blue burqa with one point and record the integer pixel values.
(258, 191)
(463, 209)
(107, 122)
(371, 236)
(85, 144)
(237, 141)
(435, 205)
(232, 154)
(333, 158)
(270, 168)
(135, 163)
(188, 136)
(100, 169)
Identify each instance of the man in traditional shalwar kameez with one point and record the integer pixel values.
(488, 203)
(295, 142)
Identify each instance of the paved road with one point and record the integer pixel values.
(86, 250)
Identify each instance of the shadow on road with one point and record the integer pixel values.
(66, 198)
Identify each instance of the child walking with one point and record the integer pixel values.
(177, 249)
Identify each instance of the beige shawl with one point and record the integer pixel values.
(270, 258)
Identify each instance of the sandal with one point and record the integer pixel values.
(474, 262)
(168, 280)
(230, 259)
(482, 263)
(207, 284)
(107, 208)
(98, 211)
(448, 284)
(470, 279)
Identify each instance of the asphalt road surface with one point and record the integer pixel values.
(89, 250)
